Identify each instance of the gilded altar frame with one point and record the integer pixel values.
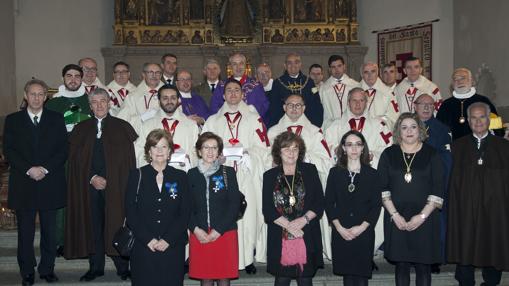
(204, 22)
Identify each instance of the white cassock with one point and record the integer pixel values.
(96, 84)
(381, 102)
(242, 132)
(392, 87)
(406, 92)
(141, 105)
(118, 95)
(334, 94)
(317, 153)
(184, 134)
(377, 135)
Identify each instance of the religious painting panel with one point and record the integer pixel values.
(309, 11)
(395, 46)
(163, 12)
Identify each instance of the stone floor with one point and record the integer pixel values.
(69, 271)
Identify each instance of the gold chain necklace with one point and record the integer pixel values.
(292, 197)
(408, 173)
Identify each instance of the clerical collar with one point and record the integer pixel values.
(237, 78)
(268, 87)
(64, 92)
(469, 94)
(294, 76)
(185, 94)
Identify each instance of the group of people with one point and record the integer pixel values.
(285, 171)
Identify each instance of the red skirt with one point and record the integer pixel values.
(214, 260)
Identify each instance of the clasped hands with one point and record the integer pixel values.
(410, 225)
(37, 173)
(351, 233)
(295, 226)
(203, 237)
(158, 245)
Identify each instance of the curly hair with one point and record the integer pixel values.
(397, 127)
(153, 138)
(285, 139)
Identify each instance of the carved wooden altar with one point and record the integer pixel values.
(234, 22)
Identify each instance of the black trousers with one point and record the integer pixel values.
(26, 233)
(96, 260)
(465, 275)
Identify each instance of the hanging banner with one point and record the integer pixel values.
(397, 45)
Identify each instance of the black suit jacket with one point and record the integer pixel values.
(154, 214)
(224, 203)
(26, 146)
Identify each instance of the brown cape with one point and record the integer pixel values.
(118, 138)
(478, 223)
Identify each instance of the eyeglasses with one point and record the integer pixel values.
(152, 73)
(294, 106)
(85, 69)
(425, 105)
(352, 145)
(209, 148)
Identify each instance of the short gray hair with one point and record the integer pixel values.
(369, 63)
(98, 91)
(479, 104)
(210, 62)
(354, 90)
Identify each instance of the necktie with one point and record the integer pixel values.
(212, 87)
(36, 121)
(169, 81)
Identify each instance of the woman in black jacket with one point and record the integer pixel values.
(157, 208)
(215, 207)
(353, 204)
(292, 206)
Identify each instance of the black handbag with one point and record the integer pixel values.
(123, 239)
(243, 203)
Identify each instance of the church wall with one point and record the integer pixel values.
(481, 38)
(8, 64)
(379, 15)
(51, 34)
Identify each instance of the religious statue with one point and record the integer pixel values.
(236, 18)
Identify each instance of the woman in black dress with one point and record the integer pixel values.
(215, 208)
(157, 208)
(353, 204)
(412, 181)
(292, 205)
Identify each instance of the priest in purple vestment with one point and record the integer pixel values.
(252, 89)
(192, 103)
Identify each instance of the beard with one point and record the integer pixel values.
(169, 108)
(462, 90)
(72, 88)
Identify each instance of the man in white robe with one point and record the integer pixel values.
(334, 91)
(170, 117)
(414, 85)
(375, 131)
(390, 76)
(142, 104)
(120, 87)
(246, 148)
(381, 102)
(90, 79)
(317, 149)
